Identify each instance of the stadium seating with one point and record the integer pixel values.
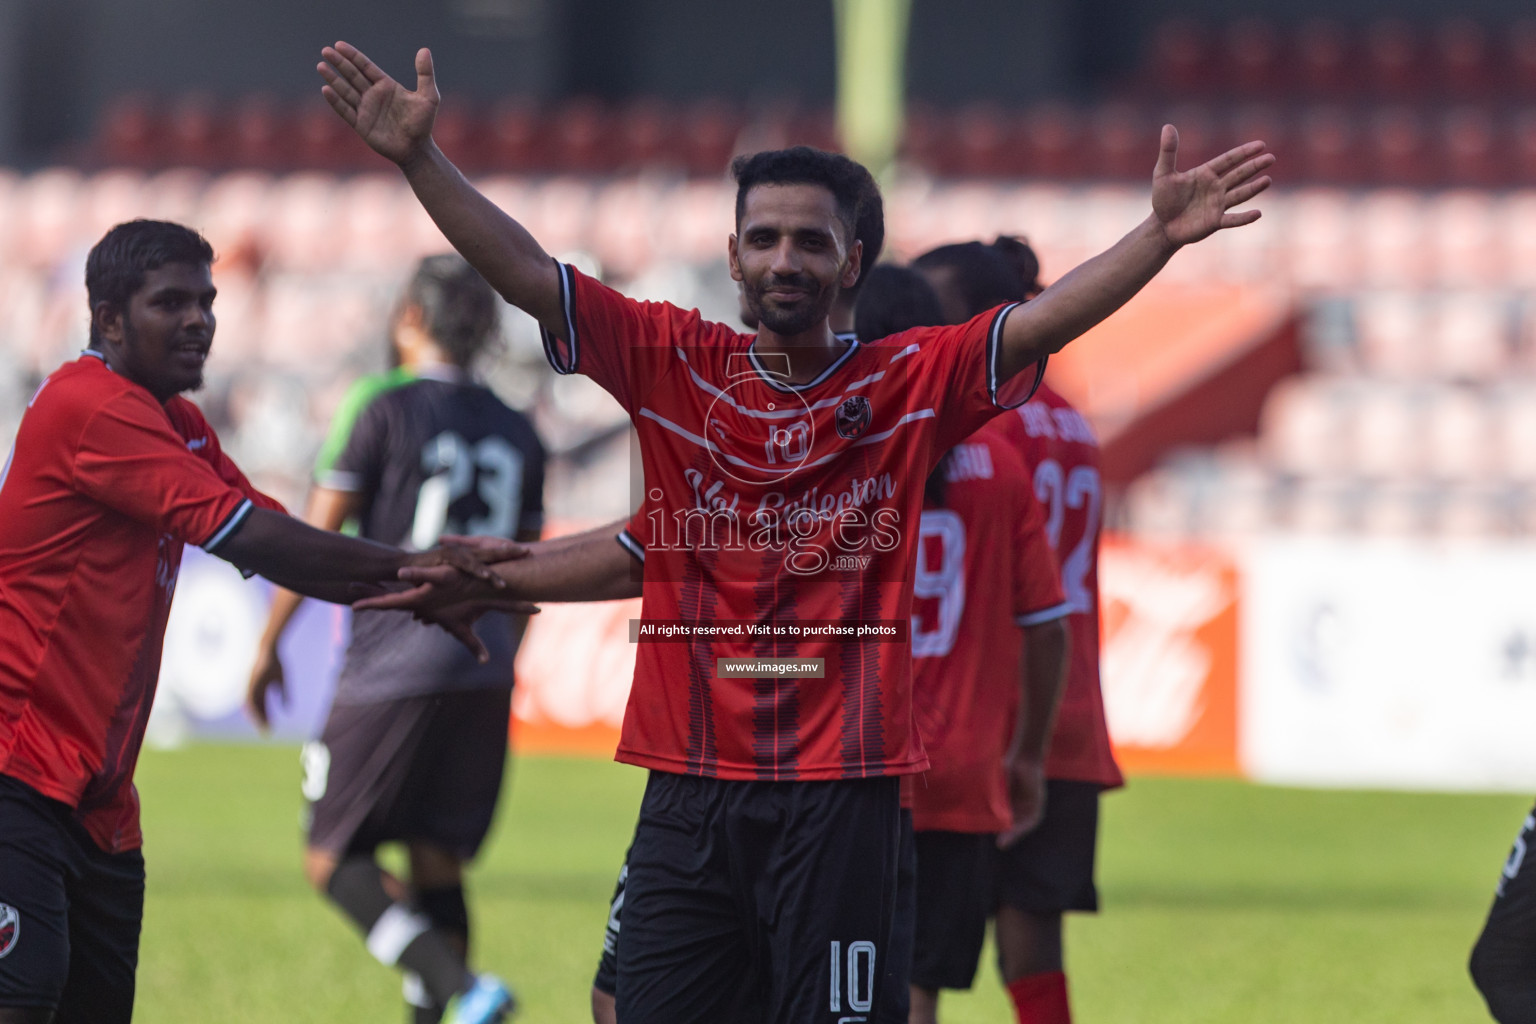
(1420, 104)
(1403, 228)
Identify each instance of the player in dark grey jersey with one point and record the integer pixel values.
(416, 740)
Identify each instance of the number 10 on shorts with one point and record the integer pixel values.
(860, 975)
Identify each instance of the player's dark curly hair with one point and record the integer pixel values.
(869, 228)
(859, 208)
(458, 308)
(984, 275)
(1021, 255)
(116, 265)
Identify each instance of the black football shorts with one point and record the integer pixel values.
(895, 1000)
(1050, 870)
(770, 895)
(70, 913)
(954, 900)
(423, 768)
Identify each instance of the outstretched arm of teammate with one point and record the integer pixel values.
(589, 566)
(1043, 675)
(397, 123)
(326, 565)
(1187, 206)
(326, 509)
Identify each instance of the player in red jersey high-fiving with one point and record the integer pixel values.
(111, 474)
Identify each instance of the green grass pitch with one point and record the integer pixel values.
(1223, 902)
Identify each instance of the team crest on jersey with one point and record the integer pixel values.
(852, 417)
(10, 928)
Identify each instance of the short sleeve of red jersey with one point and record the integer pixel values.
(632, 537)
(129, 459)
(619, 342)
(189, 419)
(963, 360)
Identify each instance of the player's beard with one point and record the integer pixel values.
(800, 318)
(182, 383)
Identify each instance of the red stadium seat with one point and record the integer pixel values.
(516, 137)
(1463, 233)
(982, 143)
(1393, 59)
(1463, 59)
(1052, 134)
(924, 139)
(259, 135)
(581, 137)
(192, 134)
(649, 130)
(1470, 149)
(1179, 61)
(1399, 152)
(1299, 427)
(710, 139)
(1328, 147)
(1321, 245)
(129, 133)
(1389, 327)
(1470, 336)
(1386, 439)
(1324, 61)
(1516, 225)
(1521, 146)
(1515, 433)
(816, 127)
(1123, 143)
(1252, 57)
(1520, 53)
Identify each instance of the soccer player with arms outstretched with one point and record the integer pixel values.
(112, 472)
(766, 844)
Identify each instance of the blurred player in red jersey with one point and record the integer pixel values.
(1050, 871)
(782, 474)
(111, 473)
(983, 708)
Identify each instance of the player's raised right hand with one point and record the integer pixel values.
(393, 120)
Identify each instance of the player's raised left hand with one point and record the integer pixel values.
(395, 121)
(1192, 204)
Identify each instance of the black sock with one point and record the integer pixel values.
(396, 933)
(446, 909)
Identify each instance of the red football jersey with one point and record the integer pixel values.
(780, 522)
(102, 488)
(1062, 454)
(987, 540)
